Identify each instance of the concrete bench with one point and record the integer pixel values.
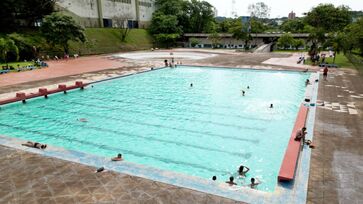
(289, 163)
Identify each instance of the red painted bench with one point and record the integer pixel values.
(42, 92)
(288, 166)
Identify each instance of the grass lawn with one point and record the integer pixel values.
(15, 64)
(340, 60)
(107, 40)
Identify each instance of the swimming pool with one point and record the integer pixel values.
(157, 119)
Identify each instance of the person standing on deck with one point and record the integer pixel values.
(325, 73)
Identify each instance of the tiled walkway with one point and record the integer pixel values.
(31, 178)
(336, 167)
(336, 174)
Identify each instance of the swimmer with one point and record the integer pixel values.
(243, 170)
(35, 145)
(248, 87)
(83, 120)
(191, 85)
(272, 105)
(230, 182)
(254, 183)
(214, 178)
(307, 82)
(243, 93)
(118, 158)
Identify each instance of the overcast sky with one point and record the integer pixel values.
(279, 8)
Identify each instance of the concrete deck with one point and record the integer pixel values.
(30, 178)
(336, 167)
(336, 173)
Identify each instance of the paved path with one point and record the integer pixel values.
(60, 69)
(32, 179)
(336, 173)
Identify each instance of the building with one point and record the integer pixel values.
(292, 15)
(107, 13)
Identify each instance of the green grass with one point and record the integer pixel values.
(107, 40)
(15, 65)
(99, 41)
(341, 60)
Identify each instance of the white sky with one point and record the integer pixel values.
(279, 8)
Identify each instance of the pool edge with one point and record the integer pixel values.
(282, 193)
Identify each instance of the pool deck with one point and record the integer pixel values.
(336, 167)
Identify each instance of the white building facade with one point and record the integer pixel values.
(101, 13)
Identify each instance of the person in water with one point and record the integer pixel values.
(191, 85)
(231, 181)
(118, 158)
(83, 120)
(214, 178)
(243, 93)
(307, 82)
(254, 182)
(272, 105)
(243, 170)
(35, 145)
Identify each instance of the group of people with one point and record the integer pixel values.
(244, 92)
(242, 171)
(172, 63)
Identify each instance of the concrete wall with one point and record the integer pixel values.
(112, 8)
(146, 10)
(88, 10)
(82, 8)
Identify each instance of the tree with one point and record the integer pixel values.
(285, 41)
(121, 23)
(215, 38)
(34, 10)
(259, 10)
(194, 42)
(201, 16)
(326, 18)
(239, 33)
(296, 43)
(329, 18)
(23, 13)
(257, 26)
(294, 26)
(8, 46)
(225, 25)
(165, 28)
(354, 36)
(192, 16)
(166, 39)
(60, 29)
(166, 24)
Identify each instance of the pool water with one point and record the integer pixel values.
(157, 119)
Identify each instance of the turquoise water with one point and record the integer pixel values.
(157, 119)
